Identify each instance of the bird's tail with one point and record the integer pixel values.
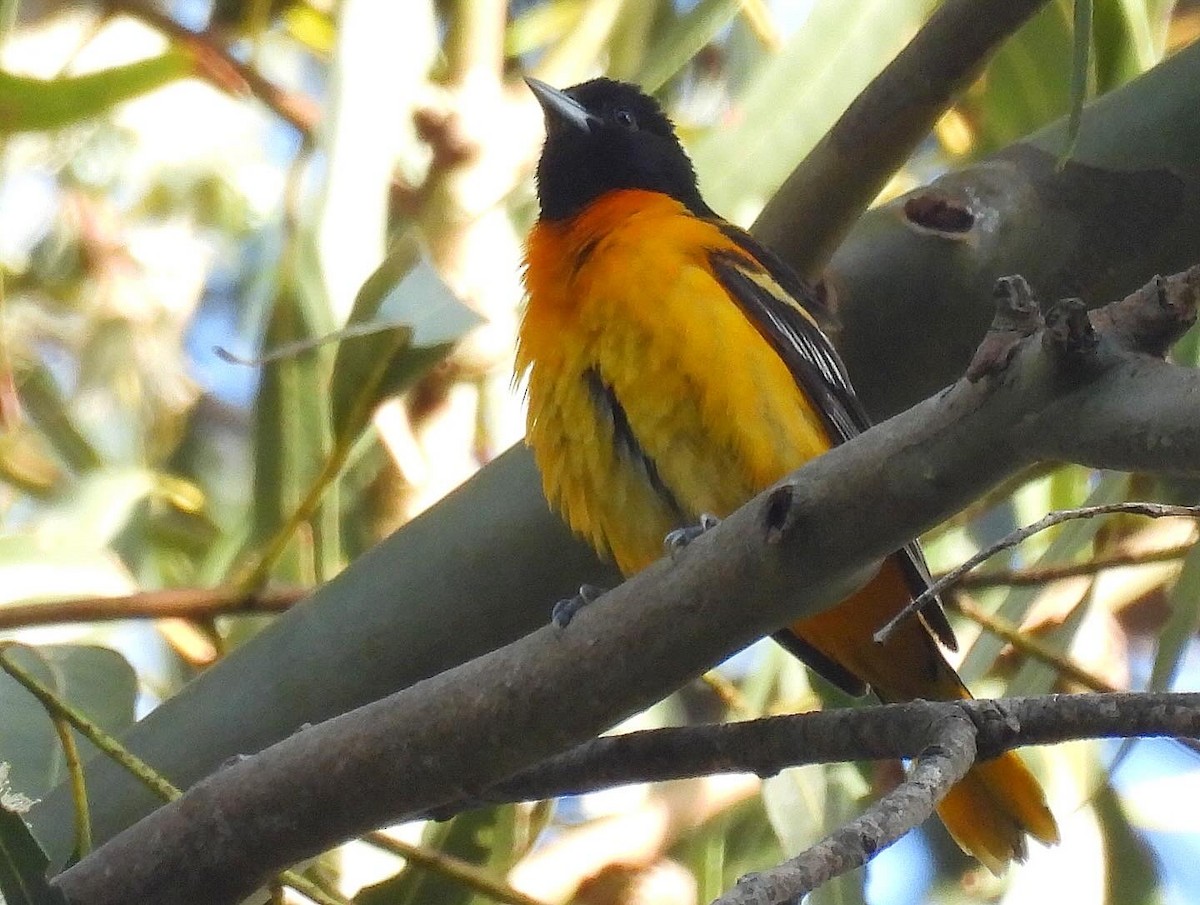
(991, 809)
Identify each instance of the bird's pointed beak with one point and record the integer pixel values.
(560, 107)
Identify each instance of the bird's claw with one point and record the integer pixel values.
(564, 611)
(679, 538)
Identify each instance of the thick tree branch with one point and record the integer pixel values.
(834, 184)
(914, 274)
(793, 549)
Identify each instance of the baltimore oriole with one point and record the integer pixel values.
(676, 367)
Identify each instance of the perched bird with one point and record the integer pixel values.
(677, 367)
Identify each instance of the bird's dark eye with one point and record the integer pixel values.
(625, 118)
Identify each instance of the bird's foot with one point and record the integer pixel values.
(679, 538)
(564, 611)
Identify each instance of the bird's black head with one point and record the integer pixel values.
(604, 135)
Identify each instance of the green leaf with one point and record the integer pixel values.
(25, 462)
(539, 24)
(42, 400)
(1133, 876)
(792, 98)
(23, 865)
(96, 680)
(96, 508)
(1037, 677)
(1182, 624)
(1131, 36)
(291, 415)
(29, 104)
(733, 843)
(805, 803)
(1080, 65)
(419, 318)
(485, 838)
(686, 36)
(794, 800)
(631, 39)
(1026, 85)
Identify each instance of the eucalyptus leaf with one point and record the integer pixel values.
(683, 39)
(732, 843)
(29, 104)
(96, 680)
(538, 24)
(1133, 874)
(47, 407)
(96, 508)
(1044, 71)
(23, 865)
(420, 320)
(795, 801)
(1081, 57)
(1038, 677)
(1182, 624)
(805, 803)
(291, 414)
(484, 838)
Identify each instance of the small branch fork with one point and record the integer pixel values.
(945, 738)
(1148, 320)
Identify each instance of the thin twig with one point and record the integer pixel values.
(169, 603)
(1038, 575)
(222, 69)
(83, 819)
(90, 730)
(456, 869)
(1012, 539)
(1064, 665)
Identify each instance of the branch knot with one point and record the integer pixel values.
(1069, 332)
(1017, 316)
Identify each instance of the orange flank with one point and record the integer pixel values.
(677, 367)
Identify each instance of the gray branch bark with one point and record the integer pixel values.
(767, 745)
(790, 551)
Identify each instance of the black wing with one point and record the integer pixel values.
(788, 314)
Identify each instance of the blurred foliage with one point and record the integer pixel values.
(22, 864)
(136, 236)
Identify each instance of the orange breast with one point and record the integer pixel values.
(626, 291)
